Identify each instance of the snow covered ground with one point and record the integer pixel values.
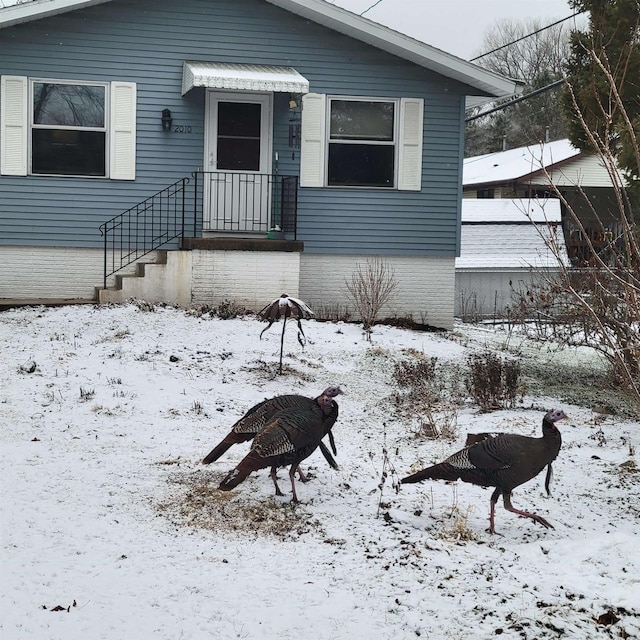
(112, 529)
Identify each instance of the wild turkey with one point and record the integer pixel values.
(256, 418)
(504, 462)
(291, 436)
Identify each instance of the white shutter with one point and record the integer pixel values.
(312, 140)
(13, 125)
(410, 161)
(122, 150)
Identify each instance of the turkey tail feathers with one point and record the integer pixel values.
(442, 471)
(327, 455)
(217, 452)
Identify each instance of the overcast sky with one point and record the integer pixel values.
(456, 26)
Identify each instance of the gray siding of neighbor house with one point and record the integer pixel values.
(146, 41)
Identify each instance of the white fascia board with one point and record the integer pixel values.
(336, 18)
(401, 45)
(39, 9)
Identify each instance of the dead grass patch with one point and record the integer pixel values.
(196, 501)
(457, 529)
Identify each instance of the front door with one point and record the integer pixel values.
(238, 162)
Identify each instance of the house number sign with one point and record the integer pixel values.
(182, 128)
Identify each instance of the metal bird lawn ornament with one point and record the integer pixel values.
(285, 307)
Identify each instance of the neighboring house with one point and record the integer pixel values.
(278, 143)
(505, 247)
(527, 172)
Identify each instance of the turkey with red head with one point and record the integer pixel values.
(289, 437)
(505, 462)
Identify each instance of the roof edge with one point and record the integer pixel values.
(404, 46)
(340, 20)
(38, 9)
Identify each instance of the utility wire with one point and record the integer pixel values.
(528, 35)
(553, 85)
(375, 4)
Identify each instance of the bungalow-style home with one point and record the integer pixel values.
(507, 245)
(194, 151)
(527, 172)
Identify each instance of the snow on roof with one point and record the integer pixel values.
(506, 210)
(497, 234)
(516, 163)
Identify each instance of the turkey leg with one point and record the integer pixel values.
(525, 514)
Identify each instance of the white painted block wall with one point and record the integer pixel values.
(32, 273)
(425, 289)
(249, 278)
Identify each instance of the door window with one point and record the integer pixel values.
(238, 136)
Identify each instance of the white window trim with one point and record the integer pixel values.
(106, 128)
(408, 136)
(395, 142)
(16, 116)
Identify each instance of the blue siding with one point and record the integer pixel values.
(146, 41)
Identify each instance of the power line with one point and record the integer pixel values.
(528, 35)
(375, 4)
(553, 85)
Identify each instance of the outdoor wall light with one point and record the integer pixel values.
(166, 120)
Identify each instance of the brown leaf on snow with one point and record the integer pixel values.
(608, 618)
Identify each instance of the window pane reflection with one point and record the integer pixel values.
(68, 105)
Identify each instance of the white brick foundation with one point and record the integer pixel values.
(32, 273)
(249, 278)
(425, 290)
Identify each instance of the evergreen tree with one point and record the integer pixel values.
(603, 59)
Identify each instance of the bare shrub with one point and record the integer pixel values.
(597, 304)
(370, 288)
(228, 309)
(492, 381)
(428, 392)
(143, 305)
(415, 373)
(333, 313)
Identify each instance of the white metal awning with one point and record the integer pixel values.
(246, 77)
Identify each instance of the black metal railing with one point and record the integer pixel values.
(214, 201)
(144, 228)
(245, 202)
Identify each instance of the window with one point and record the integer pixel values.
(362, 143)
(485, 193)
(68, 129)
